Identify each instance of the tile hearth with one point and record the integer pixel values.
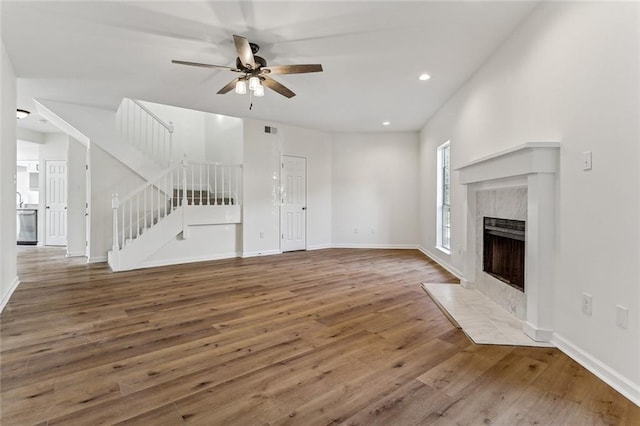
(479, 317)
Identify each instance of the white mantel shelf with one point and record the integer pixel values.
(520, 160)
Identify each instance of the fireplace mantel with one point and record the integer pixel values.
(521, 160)
(533, 165)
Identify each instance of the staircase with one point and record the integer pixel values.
(187, 194)
(183, 195)
(174, 196)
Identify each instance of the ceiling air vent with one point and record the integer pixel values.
(271, 130)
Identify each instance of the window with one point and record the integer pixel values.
(443, 214)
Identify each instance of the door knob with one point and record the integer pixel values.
(304, 208)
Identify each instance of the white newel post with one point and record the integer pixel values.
(170, 143)
(185, 226)
(115, 203)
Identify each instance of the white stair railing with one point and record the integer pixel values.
(209, 183)
(191, 183)
(145, 131)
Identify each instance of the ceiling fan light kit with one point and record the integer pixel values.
(255, 71)
(241, 87)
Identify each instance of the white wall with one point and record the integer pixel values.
(262, 159)
(108, 176)
(8, 271)
(205, 242)
(223, 139)
(201, 135)
(568, 74)
(76, 198)
(374, 187)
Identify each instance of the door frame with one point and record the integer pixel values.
(306, 198)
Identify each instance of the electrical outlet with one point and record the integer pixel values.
(373, 231)
(586, 160)
(622, 316)
(355, 230)
(586, 304)
(262, 235)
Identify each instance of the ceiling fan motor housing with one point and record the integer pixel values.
(259, 60)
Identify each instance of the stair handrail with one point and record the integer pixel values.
(143, 207)
(145, 131)
(145, 185)
(168, 126)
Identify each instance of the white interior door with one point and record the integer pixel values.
(294, 203)
(56, 203)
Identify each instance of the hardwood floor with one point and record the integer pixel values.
(335, 336)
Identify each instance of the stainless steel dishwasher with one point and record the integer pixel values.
(27, 226)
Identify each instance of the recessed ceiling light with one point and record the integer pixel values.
(386, 123)
(21, 113)
(424, 77)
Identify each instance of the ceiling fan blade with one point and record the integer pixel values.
(277, 87)
(230, 86)
(293, 69)
(197, 64)
(244, 51)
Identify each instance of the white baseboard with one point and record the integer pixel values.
(440, 262)
(377, 246)
(177, 261)
(7, 295)
(319, 247)
(96, 259)
(76, 254)
(537, 334)
(260, 253)
(611, 377)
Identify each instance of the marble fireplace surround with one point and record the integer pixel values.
(532, 165)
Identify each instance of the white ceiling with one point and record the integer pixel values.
(95, 53)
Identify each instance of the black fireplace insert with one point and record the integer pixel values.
(503, 251)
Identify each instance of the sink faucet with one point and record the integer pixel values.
(20, 198)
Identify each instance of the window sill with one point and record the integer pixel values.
(444, 250)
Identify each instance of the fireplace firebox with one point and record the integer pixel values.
(503, 251)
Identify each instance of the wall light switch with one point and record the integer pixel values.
(622, 316)
(586, 160)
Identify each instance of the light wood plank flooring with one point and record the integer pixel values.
(335, 336)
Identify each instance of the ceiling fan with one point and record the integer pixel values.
(255, 72)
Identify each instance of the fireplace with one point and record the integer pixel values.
(534, 167)
(504, 250)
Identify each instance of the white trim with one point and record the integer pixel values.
(97, 259)
(260, 253)
(443, 250)
(611, 377)
(167, 262)
(526, 159)
(319, 247)
(537, 334)
(377, 246)
(440, 192)
(441, 262)
(510, 151)
(76, 254)
(7, 295)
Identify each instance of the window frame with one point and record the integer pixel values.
(443, 201)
